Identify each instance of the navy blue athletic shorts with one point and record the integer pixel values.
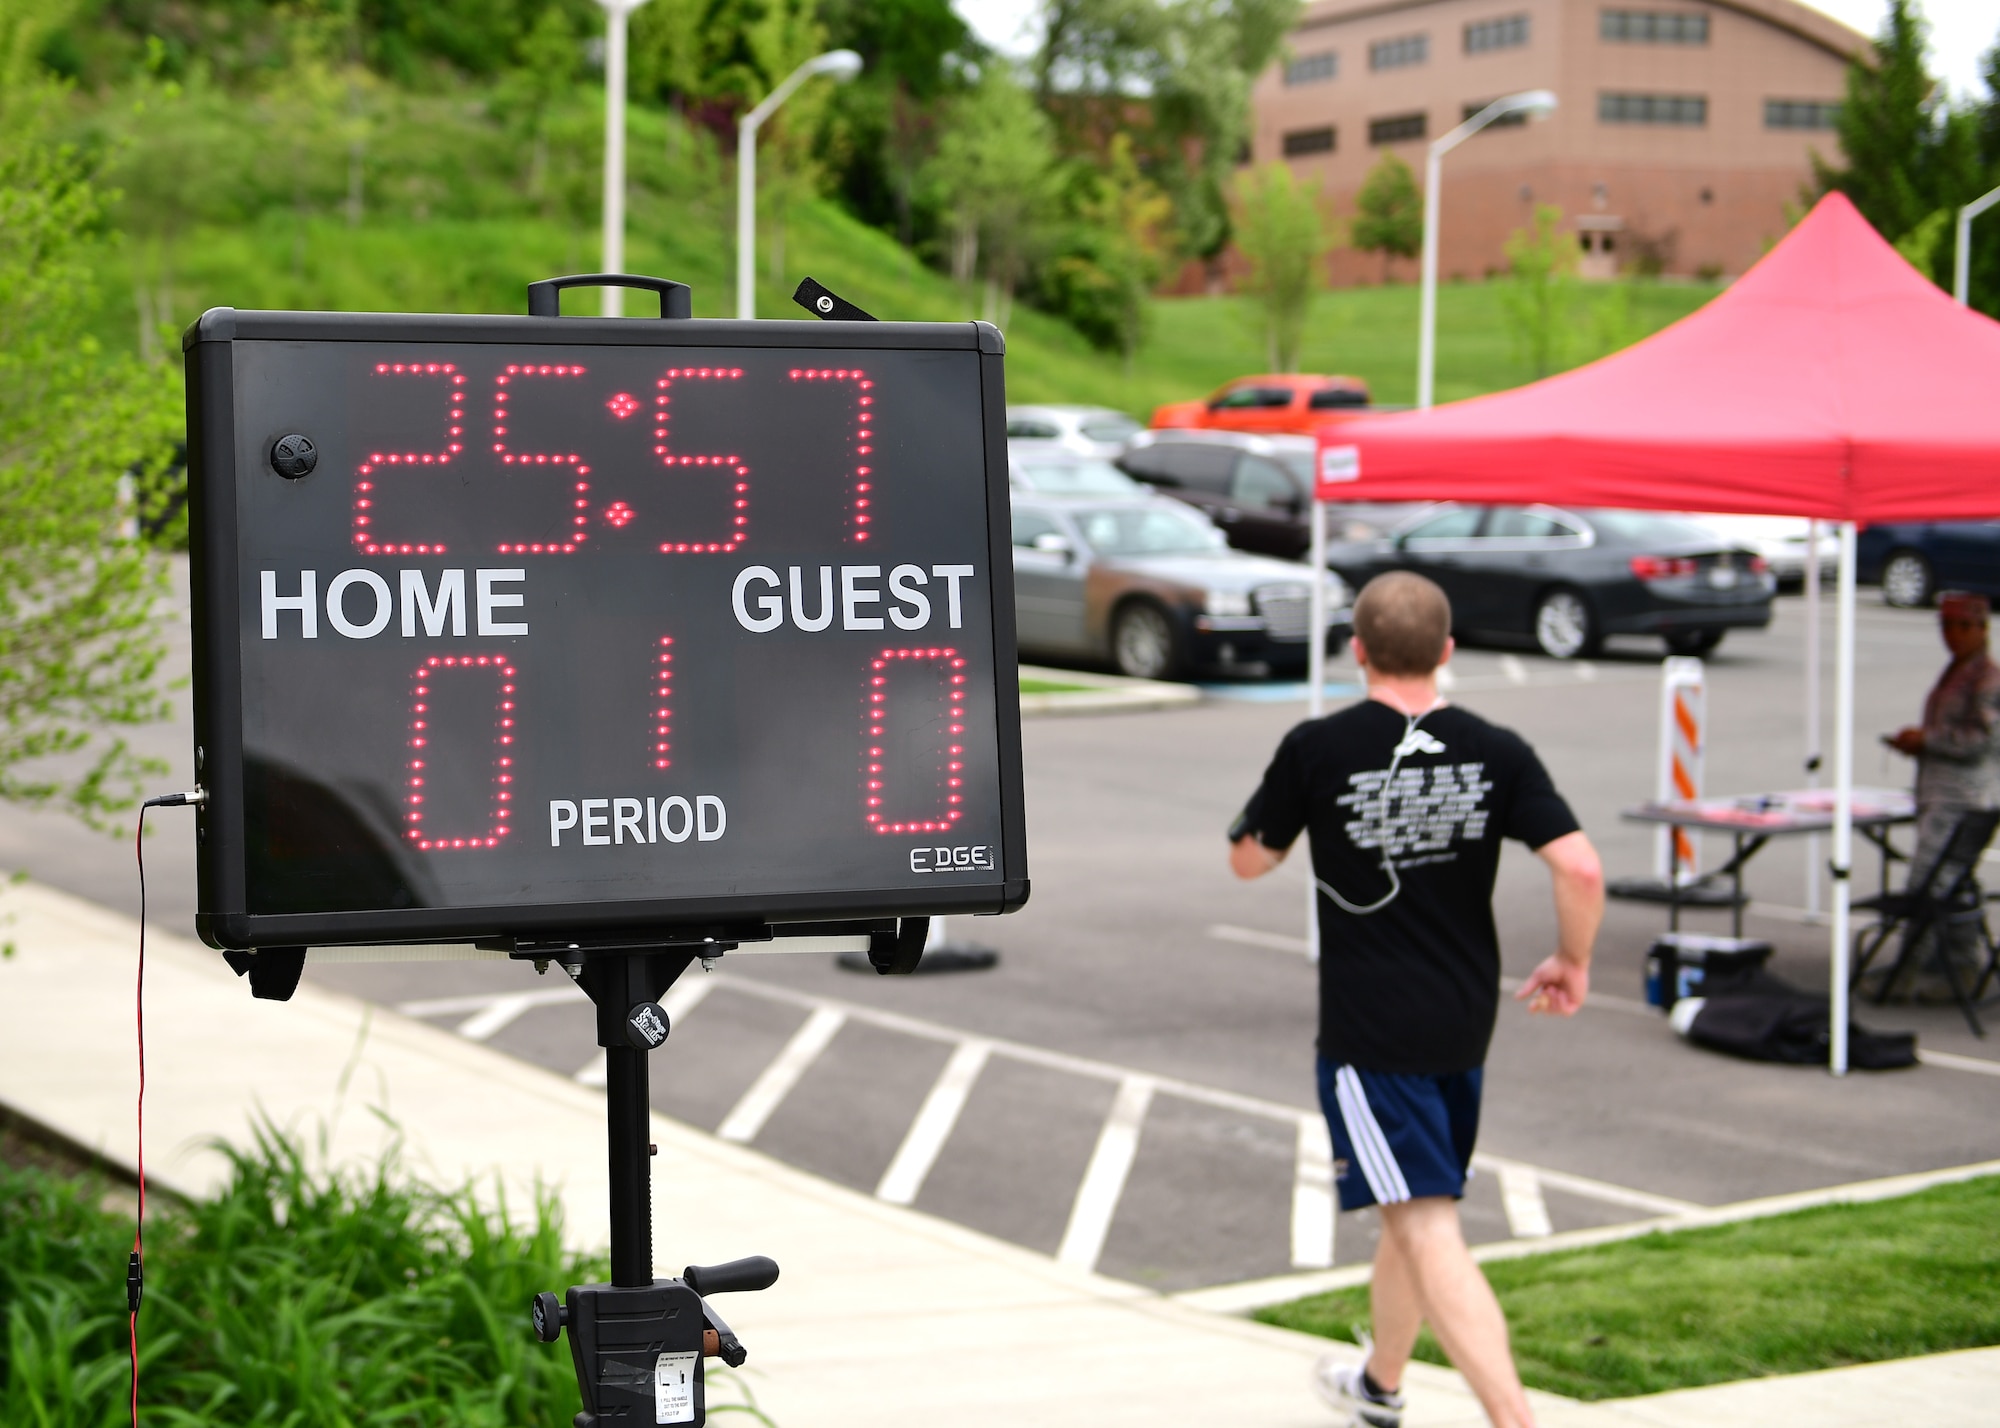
(1399, 1137)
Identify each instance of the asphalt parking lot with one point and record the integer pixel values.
(1132, 1087)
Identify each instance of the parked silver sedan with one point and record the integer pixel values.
(1153, 587)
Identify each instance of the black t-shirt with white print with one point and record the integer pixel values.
(1413, 987)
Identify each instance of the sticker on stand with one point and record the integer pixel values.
(673, 1387)
(381, 465)
(736, 528)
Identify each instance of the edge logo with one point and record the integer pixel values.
(964, 858)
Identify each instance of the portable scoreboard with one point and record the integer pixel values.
(519, 627)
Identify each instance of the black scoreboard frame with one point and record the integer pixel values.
(224, 921)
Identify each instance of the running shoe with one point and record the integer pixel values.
(1346, 1391)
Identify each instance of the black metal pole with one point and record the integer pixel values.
(628, 1110)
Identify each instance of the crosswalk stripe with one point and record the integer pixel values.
(1521, 1196)
(928, 1132)
(769, 1090)
(1312, 1196)
(1104, 1181)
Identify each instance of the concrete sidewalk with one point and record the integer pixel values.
(883, 1316)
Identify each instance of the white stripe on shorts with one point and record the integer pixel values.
(1371, 1147)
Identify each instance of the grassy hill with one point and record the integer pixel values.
(484, 265)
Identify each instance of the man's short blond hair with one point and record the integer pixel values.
(1403, 620)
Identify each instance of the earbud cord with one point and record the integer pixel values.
(1404, 747)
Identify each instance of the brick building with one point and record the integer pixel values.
(1684, 129)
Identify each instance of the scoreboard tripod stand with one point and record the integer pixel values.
(638, 1342)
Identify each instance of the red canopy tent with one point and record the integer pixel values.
(1831, 381)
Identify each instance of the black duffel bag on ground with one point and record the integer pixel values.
(1761, 1018)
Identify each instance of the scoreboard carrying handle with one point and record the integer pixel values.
(545, 297)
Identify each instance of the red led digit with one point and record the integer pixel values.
(927, 675)
(367, 537)
(423, 755)
(663, 693)
(860, 443)
(730, 468)
(565, 539)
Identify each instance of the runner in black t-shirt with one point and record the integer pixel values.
(1407, 800)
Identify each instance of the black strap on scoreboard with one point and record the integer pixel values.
(821, 301)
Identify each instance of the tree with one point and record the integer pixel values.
(1389, 212)
(995, 172)
(1281, 231)
(1174, 73)
(80, 645)
(1910, 154)
(882, 123)
(1117, 248)
(1540, 296)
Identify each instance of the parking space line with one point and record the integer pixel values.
(567, 991)
(1513, 669)
(1251, 937)
(593, 1072)
(1521, 1197)
(685, 995)
(688, 993)
(1312, 1196)
(1104, 1181)
(1592, 1189)
(1952, 1061)
(928, 1132)
(494, 1017)
(769, 1090)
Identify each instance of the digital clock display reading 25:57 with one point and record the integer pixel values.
(665, 621)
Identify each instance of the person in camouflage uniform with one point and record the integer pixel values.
(1957, 748)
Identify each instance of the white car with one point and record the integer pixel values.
(1051, 469)
(1782, 541)
(1092, 431)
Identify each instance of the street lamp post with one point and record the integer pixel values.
(616, 13)
(1961, 262)
(842, 65)
(1534, 103)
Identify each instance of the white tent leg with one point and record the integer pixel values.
(1813, 844)
(1843, 802)
(1316, 695)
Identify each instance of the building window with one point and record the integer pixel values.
(1311, 69)
(1688, 110)
(1799, 114)
(1516, 120)
(1653, 27)
(1507, 34)
(1397, 53)
(1396, 128)
(1301, 142)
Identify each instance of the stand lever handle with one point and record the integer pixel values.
(545, 297)
(756, 1272)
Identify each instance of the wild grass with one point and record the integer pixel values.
(298, 1296)
(1844, 1284)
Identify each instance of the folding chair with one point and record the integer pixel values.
(1945, 896)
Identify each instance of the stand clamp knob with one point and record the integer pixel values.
(550, 1317)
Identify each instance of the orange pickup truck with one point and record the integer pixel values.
(1269, 404)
